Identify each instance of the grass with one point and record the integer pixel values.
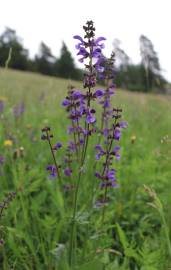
(36, 224)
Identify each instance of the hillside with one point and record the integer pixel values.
(32, 226)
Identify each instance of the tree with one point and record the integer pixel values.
(45, 60)
(151, 65)
(19, 57)
(65, 67)
(122, 63)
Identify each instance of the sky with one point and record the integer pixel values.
(54, 21)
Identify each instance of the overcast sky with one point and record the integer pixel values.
(52, 21)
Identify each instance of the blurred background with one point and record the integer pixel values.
(40, 35)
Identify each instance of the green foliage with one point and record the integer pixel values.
(19, 56)
(36, 224)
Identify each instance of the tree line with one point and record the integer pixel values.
(145, 76)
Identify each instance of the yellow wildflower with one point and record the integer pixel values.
(29, 126)
(8, 143)
(133, 138)
(3, 98)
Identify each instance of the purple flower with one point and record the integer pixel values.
(123, 124)
(111, 175)
(72, 146)
(97, 174)
(107, 103)
(52, 169)
(108, 184)
(89, 46)
(105, 132)
(77, 95)
(99, 93)
(67, 172)
(66, 102)
(98, 40)
(81, 141)
(115, 152)
(96, 53)
(109, 179)
(117, 134)
(57, 146)
(90, 119)
(79, 38)
(101, 151)
(70, 129)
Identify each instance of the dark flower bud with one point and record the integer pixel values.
(43, 137)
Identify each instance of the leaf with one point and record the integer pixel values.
(122, 237)
(94, 265)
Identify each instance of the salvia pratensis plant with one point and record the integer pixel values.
(81, 106)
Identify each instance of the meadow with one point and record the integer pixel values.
(36, 224)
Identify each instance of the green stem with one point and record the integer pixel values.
(166, 232)
(56, 165)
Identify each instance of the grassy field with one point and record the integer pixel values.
(36, 224)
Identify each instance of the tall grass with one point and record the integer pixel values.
(35, 226)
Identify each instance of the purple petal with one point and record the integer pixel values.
(123, 124)
(97, 174)
(77, 94)
(57, 146)
(98, 147)
(99, 39)
(79, 38)
(116, 149)
(117, 134)
(67, 172)
(105, 132)
(66, 102)
(90, 119)
(99, 93)
(118, 156)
